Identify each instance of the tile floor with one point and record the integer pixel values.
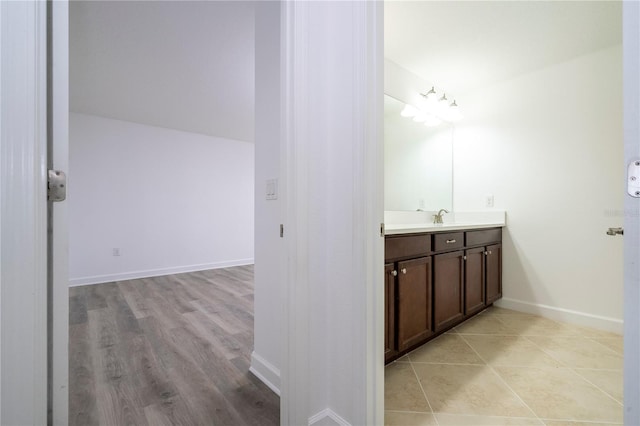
(504, 367)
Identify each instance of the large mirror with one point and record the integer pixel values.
(418, 162)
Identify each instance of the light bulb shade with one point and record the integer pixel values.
(409, 111)
(453, 112)
(432, 121)
(443, 106)
(420, 117)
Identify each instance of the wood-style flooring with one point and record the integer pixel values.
(171, 350)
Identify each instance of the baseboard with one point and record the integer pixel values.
(327, 417)
(109, 278)
(613, 325)
(266, 372)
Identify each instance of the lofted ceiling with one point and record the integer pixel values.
(462, 45)
(177, 64)
(189, 65)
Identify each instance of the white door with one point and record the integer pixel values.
(631, 70)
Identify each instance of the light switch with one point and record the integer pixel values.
(272, 189)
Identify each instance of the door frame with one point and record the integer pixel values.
(58, 238)
(23, 212)
(631, 111)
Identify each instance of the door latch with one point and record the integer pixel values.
(615, 231)
(57, 186)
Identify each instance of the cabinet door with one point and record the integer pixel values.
(474, 282)
(390, 346)
(414, 302)
(448, 274)
(494, 272)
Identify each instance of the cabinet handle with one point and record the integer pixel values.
(394, 273)
(490, 252)
(404, 270)
(464, 257)
(486, 253)
(451, 241)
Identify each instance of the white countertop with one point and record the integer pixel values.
(394, 229)
(401, 223)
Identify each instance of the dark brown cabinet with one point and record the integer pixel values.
(414, 302)
(448, 284)
(474, 280)
(434, 281)
(487, 267)
(494, 272)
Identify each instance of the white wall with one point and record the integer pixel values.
(330, 343)
(171, 201)
(548, 146)
(268, 287)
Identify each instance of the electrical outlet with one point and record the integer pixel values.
(115, 251)
(489, 201)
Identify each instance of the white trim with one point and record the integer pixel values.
(368, 213)
(631, 102)
(327, 417)
(613, 325)
(266, 372)
(294, 401)
(108, 278)
(59, 243)
(23, 206)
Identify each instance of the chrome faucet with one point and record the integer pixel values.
(437, 218)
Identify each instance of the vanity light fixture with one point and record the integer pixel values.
(432, 110)
(431, 95)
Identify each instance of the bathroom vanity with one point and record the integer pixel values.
(439, 270)
(435, 278)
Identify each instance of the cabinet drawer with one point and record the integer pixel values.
(448, 241)
(407, 246)
(484, 237)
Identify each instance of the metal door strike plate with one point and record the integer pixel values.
(633, 179)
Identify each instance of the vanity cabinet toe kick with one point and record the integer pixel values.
(434, 281)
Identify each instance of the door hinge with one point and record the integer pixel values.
(633, 179)
(281, 231)
(56, 186)
(382, 229)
